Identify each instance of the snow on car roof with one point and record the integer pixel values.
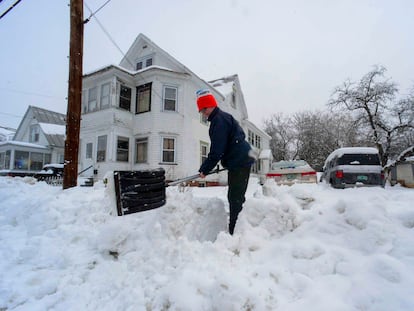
(350, 150)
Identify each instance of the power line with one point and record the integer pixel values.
(116, 45)
(6, 127)
(28, 93)
(10, 115)
(9, 9)
(107, 34)
(92, 14)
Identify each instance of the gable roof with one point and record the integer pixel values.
(140, 41)
(124, 70)
(48, 116)
(44, 117)
(56, 140)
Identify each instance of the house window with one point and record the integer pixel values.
(89, 151)
(105, 90)
(7, 160)
(250, 137)
(143, 98)
(36, 161)
(258, 166)
(170, 98)
(203, 152)
(122, 149)
(168, 150)
(34, 133)
(84, 101)
(125, 98)
(92, 104)
(2, 158)
(144, 63)
(48, 158)
(21, 160)
(101, 152)
(258, 141)
(141, 150)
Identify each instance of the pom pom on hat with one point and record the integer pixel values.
(205, 100)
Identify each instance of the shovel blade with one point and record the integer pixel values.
(138, 191)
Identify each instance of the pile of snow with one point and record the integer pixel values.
(304, 247)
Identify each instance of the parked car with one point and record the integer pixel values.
(290, 172)
(50, 171)
(353, 167)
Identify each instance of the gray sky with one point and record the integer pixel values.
(289, 55)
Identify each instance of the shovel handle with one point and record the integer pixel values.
(192, 177)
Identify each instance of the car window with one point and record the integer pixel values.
(359, 159)
(288, 164)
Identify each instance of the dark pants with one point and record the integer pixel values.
(237, 180)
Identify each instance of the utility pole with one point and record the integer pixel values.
(73, 114)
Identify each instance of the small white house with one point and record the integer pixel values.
(6, 133)
(401, 171)
(142, 114)
(39, 140)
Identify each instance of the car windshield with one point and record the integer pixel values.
(288, 164)
(359, 159)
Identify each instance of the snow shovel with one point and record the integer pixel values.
(138, 191)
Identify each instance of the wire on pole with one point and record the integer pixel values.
(9, 9)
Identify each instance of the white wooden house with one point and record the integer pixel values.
(142, 114)
(39, 140)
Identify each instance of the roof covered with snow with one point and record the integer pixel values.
(351, 150)
(224, 85)
(48, 116)
(130, 72)
(21, 144)
(6, 134)
(52, 124)
(53, 129)
(407, 155)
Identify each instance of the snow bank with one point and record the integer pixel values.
(305, 247)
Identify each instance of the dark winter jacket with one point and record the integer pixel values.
(228, 143)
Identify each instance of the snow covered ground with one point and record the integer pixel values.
(304, 247)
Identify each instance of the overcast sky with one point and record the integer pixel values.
(289, 55)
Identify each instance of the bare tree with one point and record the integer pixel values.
(311, 136)
(317, 134)
(279, 128)
(402, 133)
(344, 130)
(372, 101)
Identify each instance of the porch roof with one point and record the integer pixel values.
(15, 143)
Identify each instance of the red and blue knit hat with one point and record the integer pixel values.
(205, 99)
